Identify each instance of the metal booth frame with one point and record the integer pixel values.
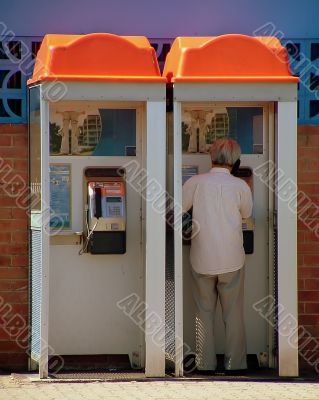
(238, 68)
(106, 84)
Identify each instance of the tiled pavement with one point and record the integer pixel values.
(12, 388)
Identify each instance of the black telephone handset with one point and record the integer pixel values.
(98, 202)
(235, 167)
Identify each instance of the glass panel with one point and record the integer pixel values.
(314, 51)
(314, 81)
(294, 50)
(314, 108)
(80, 130)
(35, 148)
(200, 127)
(246, 126)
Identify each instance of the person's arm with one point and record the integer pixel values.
(188, 194)
(246, 205)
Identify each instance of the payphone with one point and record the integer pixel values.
(236, 86)
(97, 119)
(105, 211)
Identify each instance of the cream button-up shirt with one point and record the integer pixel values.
(219, 202)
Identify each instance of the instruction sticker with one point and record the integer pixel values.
(60, 196)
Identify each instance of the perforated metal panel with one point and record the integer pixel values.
(275, 294)
(36, 291)
(170, 301)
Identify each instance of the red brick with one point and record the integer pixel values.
(308, 272)
(307, 152)
(7, 201)
(20, 141)
(301, 236)
(14, 152)
(301, 129)
(308, 296)
(15, 297)
(308, 129)
(311, 284)
(21, 309)
(312, 330)
(5, 140)
(302, 140)
(10, 346)
(17, 224)
(5, 237)
(20, 213)
(311, 165)
(4, 335)
(13, 273)
(301, 308)
(19, 284)
(312, 308)
(312, 248)
(20, 261)
(308, 176)
(309, 188)
(300, 259)
(304, 365)
(13, 248)
(311, 259)
(14, 361)
(302, 164)
(301, 284)
(312, 140)
(13, 128)
(5, 213)
(19, 237)
(5, 261)
(309, 319)
(311, 211)
(15, 177)
(312, 236)
(5, 285)
(20, 165)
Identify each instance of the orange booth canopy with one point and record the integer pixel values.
(96, 57)
(228, 58)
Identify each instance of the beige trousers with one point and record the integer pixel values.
(229, 288)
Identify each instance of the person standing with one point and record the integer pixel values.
(219, 201)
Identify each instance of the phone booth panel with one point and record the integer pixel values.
(235, 86)
(94, 136)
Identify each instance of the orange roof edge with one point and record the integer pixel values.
(228, 58)
(97, 57)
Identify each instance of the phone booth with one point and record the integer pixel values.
(97, 151)
(239, 87)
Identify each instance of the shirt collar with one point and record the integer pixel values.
(220, 169)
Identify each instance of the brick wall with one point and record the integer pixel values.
(308, 241)
(13, 248)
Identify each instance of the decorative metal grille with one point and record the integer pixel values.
(304, 62)
(17, 58)
(16, 65)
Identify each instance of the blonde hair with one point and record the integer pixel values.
(225, 152)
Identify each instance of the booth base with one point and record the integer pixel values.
(261, 375)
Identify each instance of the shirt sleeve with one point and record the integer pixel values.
(188, 194)
(246, 205)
